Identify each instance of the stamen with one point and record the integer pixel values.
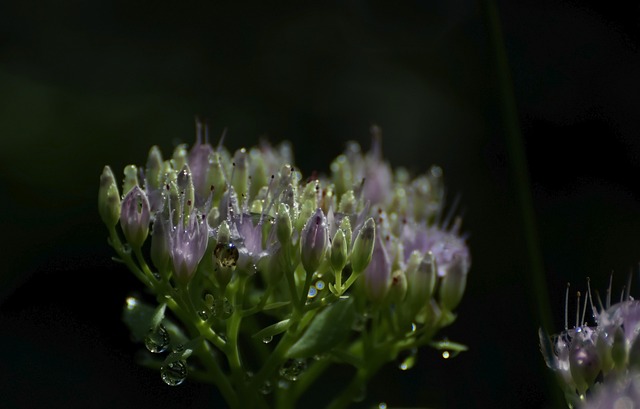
(593, 308)
(578, 309)
(584, 310)
(628, 292)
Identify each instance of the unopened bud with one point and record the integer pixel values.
(377, 276)
(159, 252)
(453, 283)
(135, 217)
(363, 246)
(108, 198)
(284, 228)
(338, 251)
(314, 241)
(240, 181)
(154, 170)
(130, 178)
(398, 287)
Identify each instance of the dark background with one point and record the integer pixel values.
(84, 84)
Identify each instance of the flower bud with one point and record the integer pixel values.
(314, 240)
(421, 274)
(240, 179)
(179, 157)
(108, 198)
(284, 227)
(135, 217)
(338, 251)
(130, 178)
(216, 177)
(154, 170)
(453, 283)
(259, 176)
(398, 287)
(186, 191)
(377, 276)
(348, 203)
(584, 364)
(188, 241)
(345, 226)
(363, 246)
(342, 174)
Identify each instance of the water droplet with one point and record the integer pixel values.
(312, 292)
(266, 388)
(226, 254)
(221, 308)
(203, 315)
(292, 369)
(413, 327)
(408, 359)
(445, 354)
(131, 303)
(320, 285)
(266, 340)
(157, 340)
(320, 357)
(283, 384)
(174, 373)
(382, 405)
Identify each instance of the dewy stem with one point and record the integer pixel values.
(233, 330)
(218, 377)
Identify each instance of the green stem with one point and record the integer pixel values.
(539, 298)
(233, 330)
(126, 258)
(219, 378)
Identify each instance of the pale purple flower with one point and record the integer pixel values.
(314, 241)
(135, 216)
(188, 242)
(377, 276)
(620, 392)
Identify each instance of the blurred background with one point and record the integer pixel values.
(85, 84)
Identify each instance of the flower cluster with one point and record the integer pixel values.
(243, 247)
(602, 356)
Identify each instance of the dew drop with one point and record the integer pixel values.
(446, 354)
(226, 254)
(266, 340)
(203, 315)
(221, 308)
(312, 292)
(413, 327)
(157, 340)
(408, 360)
(174, 373)
(382, 405)
(320, 285)
(292, 369)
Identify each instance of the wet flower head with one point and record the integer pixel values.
(236, 235)
(602, 346)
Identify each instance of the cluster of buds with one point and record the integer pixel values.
(601, 356)
(237, 234)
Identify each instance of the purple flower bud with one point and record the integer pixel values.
(108, 198)
(453, 283)
(134, 217)
(188, 242)
(377, 276)
(314, 241)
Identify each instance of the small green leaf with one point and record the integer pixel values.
(275, 329)
(330, 327)
(140, 317)
(275, 305)
(453, 348)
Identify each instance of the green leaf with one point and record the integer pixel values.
(274, 329)
(330, 327)
(140, 317)
(453, 348)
